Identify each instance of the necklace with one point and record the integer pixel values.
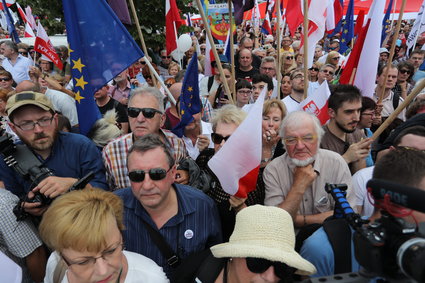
(225, 273)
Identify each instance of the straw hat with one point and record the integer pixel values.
(264, 232)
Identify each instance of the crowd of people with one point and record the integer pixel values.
(153, 210)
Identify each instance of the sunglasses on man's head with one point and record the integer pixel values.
(155, 174)
(148, 113)
(217, 138)
(260, 265)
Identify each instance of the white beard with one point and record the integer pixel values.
(302, 163)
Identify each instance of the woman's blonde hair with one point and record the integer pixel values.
(284, 70)
(228, 114)
(274, 103)
(81, 220)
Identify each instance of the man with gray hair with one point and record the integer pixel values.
(296, 180)
(268, 67)
(145, 116)
(15, 63)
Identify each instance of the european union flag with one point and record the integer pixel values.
(190, 102)
(10, 26)
(386, 23)
(100, 48)
(347, 28)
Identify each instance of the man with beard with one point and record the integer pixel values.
(69, 156)
(292, 101)
(295, 181)
(341, 133)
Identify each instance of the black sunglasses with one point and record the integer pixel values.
(289, 57)
(314, 69)
(4, 79)
(404, 72)
(156, 174)
(163, 57)
(148, 113)
(217, 138)
(260, 265)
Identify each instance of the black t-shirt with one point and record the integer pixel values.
(120, 109)
(246, 75)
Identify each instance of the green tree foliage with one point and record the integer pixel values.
(151, 14)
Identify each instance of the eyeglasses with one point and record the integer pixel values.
(289, 57)
(156, 174)
(148, 113)
(299, 76)
(267, 69)
(245, 92)
(203, 49)
(327, 72)
(404, 72)
(30, 125)
(4, 79)
(314, 69)
(260, 265)
(165, 57)
(24, 53)
(335, 58)
(304, 139)
(89, 262)
(217, 138)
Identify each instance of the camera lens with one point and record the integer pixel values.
(411, 258)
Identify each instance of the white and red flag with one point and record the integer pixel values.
(28, 30)
(44, 46)
(361, 67)
(294, 15)
(334, 13)
(316, 27)
(317, 103)
(266, 27)
(8, 4)
(30, 17)
(237, 163)
(209, 57)
(172, 24)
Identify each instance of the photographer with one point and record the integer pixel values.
(68, 156)
(404, 165)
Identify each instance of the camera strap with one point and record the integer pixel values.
(339, 235)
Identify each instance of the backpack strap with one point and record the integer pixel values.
(210, 83)
(396, 99)
(339, 235)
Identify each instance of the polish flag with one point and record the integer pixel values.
(266, 28)
(30, 17)
(237, 163)
(294, 15)
(256, 16)
(172, 24)
(333, 15)
(44, 46)
(28, 30)
(361, 68)
(209, 56)
(317, 103)
(8, 4)
(21, 13)
(359, 23)
(316, 27)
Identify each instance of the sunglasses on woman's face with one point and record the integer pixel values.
(289, 57)
(404, 72)
(155, 174)
(217, 138)
(314, 69)
(260, 265)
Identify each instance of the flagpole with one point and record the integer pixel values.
(232, 50)
(400, 108)
(392, 50)
(278, 74)
(177, 43)
(214, 50)
(305, 47)
(142, 40)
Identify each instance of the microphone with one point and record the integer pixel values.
(405, 196)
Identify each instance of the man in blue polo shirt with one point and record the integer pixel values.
(68, 156)
(155, 207)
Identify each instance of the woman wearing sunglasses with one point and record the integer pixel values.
(313, 72)
(404, 83)
(260, 250)
(288, 62)
(84, 230)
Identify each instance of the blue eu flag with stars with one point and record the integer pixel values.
(190, 102)
(386, 23)
(100, 48)
(347, 28)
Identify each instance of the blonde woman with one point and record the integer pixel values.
(287, 62)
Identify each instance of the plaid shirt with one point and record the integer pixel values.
(115, 155)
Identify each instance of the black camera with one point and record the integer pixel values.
(391, 247)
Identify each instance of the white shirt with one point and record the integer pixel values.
(63, 103)
(203, 86)
(388, 106)
(20, 69)
(360, 178)
(192, 149)
(140, 269)
(291, 104)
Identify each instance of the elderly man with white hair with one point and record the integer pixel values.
(296, 180)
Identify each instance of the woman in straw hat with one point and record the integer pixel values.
(260, 250)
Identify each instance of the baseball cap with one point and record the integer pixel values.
(28, 98)
(383, 50)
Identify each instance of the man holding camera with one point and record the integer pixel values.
(68, 156)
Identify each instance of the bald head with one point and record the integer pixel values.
(176, 90)
(27, 86)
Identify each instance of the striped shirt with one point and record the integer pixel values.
(194, 228)
(115, 157)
